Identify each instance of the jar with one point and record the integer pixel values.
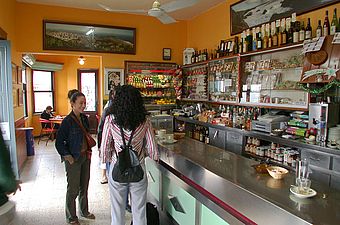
(257, 143)
(261, 152)
(273, 146)
(285, 156)
(275, 156)
(280, 157)
(268, 152)
(272, 155)
(249, 141)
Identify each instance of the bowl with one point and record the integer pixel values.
(277, 172)
(178, 135)
(261, 168)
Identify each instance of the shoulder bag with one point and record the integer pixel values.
(127, 169)
(90, 141)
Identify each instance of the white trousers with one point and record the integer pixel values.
(118, 194)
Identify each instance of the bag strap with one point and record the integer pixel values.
(123, 138)
(80, 125)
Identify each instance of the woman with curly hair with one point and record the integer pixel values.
(128, 112)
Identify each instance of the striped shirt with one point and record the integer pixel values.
(112, 140)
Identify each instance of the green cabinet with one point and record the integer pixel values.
(153, 175)
(178, 203)
(208, 217)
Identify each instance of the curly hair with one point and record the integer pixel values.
(128, 107)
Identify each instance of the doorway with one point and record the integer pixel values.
(87, 84)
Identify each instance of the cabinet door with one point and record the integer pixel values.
(234, 142)
(178, 203)
(335, 182)
(319, 176)
(316, 159)
(217, 137)
(336, 164)
(208, 217)
(153, 175)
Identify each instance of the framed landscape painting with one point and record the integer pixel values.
(251, 13)
(88, 38)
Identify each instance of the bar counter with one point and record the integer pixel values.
(229, 181)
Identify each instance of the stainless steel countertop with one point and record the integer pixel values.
(231, 179)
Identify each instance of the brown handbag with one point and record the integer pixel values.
(90, 141)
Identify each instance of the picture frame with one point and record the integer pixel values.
(66, 36)
(112, 77)
(166, 53)
(14, 73)
(15, 97)
(20, 97)
(19, 75)
(252, 13)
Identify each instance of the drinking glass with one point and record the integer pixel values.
(302, 169)
(303, 185)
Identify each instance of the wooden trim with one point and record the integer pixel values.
(3, 34)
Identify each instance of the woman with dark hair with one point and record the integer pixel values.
(74, 151)
(128, 112)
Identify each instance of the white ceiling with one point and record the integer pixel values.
(183, 14)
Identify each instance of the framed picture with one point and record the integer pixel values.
(15, 97)
(88, 37)
(19, 75)
(14, 74)
(20, 97)
(166, 53)
(251, 13)
(112, 77)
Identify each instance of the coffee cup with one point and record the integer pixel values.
(169, 138)
(161, 133)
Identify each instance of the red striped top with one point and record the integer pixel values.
(112, 140)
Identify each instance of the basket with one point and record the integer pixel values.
(277, 172)
(178, 135)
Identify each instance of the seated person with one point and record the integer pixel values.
(47, 115)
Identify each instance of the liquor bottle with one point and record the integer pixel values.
(326, 25)
(235, 45)
(270, 39)
(279, 30)
(254, 40)
(319, 30)
(249, 40)
(259, 39)
(308, 34)
(193, 56)
(302, 32)
(334, 24)
(240, 44)
(265, 40)
(275, 38)
(296, 32)
(284, 32)
(290, 30)
(207, 139)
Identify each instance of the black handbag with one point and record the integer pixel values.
(127, 169)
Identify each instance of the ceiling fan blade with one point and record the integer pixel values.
(178, 4)
(166, 19)
(107, 8)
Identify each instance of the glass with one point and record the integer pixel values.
(303, 185)
(302, 169)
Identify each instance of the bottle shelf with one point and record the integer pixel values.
(268, 160)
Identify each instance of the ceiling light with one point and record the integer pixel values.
(90, 31)
(81, 60)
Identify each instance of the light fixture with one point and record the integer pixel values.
(81, 60)
(90, 31)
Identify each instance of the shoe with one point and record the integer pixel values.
(89, 216)
(76, 222)
(104, 181)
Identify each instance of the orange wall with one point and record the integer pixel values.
(7, 23)
(207, 29)
(65, 80)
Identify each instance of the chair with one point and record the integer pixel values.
(47, 127)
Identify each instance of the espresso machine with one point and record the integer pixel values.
(323, 116)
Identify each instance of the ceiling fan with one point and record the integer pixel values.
(159, 11)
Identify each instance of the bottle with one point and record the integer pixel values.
(259, 40)
(335, 24)
(279, 31)
(302, 32)
(326, 25)
(270, 39)
(308, 34)
(275, 38)
(193, 57)
(290, 30)
(319, 30)
(284, 32)
(296, 32)
(254, 40)
(207, 139)
(249, 40)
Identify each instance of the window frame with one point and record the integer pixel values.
(51, 91)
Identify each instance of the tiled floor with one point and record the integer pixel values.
(42, 198)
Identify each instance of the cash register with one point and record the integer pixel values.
(268, 122)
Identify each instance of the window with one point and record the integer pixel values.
(42, 90)
(24, 89)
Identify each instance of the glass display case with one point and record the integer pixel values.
(223, 80)
(195, 82)
(153, 79)
(271, 79)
